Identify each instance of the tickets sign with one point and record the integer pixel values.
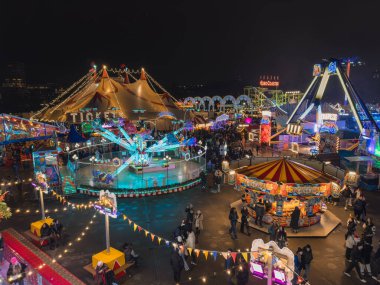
(88, 116)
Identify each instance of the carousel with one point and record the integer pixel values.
(283, 185)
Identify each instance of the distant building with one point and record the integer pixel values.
(19, 96)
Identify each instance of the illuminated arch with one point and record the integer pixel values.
(229, 98)
(189, 99)
(210, 102)
(217, 98)
(243, 98)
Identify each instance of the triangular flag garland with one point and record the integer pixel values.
(140, 228)
(146, 233)
(130, 222)
(197, 251)
(225, 255)
(134, 227)
(159, 240)
(214, 254)
(205, 252)
(233, 255)
(245, 256)
(190, 250)
(167, 243)
(152, 235)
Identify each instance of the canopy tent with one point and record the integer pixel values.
(285, 171)
(100, 95)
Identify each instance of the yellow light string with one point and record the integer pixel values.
(64, 201)
(78, 239)
(19, 181)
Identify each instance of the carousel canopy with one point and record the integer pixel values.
(285, 171)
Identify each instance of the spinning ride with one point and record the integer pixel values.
(285, 184)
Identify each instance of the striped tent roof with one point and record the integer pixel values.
(285, 171)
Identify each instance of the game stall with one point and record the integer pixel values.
(284, 184)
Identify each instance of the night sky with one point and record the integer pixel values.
(190, 42)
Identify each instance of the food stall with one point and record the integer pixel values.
(284, 184)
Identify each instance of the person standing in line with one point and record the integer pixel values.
(259, 209)
(369, 231)
(189, 216)
(177, 264)
(233, 217)
(306, 259)
(198, 225)
(358, 208)
(244, 220)
(365, 263)
(294, 220)
(356, 257)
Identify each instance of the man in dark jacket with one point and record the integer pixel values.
(294, 219)
(244, 220)
(233, 217)
(306, 258)
(259, 209)
(358, 208)
(177, 264)
(203, 177)
(356, 257)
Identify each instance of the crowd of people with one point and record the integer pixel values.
(51, 234)
(359, 237)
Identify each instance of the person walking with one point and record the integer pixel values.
(244, 220)
(369, 231)
(365, 263)
(351, 241)
(190, 243)
(282, 237)
(189, 215)
(218, 179)
(306, 259)
(294, 219)
(259, 209)
(203, 177)
(273, 231)
(356, 257)
(198, 218)
(233, 217)
(177, 264)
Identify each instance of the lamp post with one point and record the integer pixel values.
(167, 159)
(250, 159)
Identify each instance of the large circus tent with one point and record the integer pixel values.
(98, 94)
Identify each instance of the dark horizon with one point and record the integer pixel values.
(183, 43)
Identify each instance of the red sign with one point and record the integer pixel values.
(268, 83)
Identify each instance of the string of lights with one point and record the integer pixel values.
(15, 182)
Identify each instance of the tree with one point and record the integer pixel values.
(5, 212)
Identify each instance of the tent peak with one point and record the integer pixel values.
(143, 74)
(105, 73)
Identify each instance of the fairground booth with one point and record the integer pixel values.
(284, 184)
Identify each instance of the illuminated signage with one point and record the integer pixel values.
(88, 116)
(332, 67)
(268, 83)
(329, 117)
(317, 70)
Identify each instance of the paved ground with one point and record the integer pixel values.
(162, 214)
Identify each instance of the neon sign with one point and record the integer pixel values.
(269, 83)
(332, 67)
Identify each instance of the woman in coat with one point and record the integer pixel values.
(198, 220)
(294, 219)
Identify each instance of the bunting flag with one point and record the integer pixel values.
(245, 256)
(124, 217)
(225, 255)
(130, 222)
(134, 227)
(190, 250)
(197, 251)
(159, 240)
(146, 233)
(214, 254)
(205, 252)
(233, 254)
(152, 235)
(140, 228)
(167, 243)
